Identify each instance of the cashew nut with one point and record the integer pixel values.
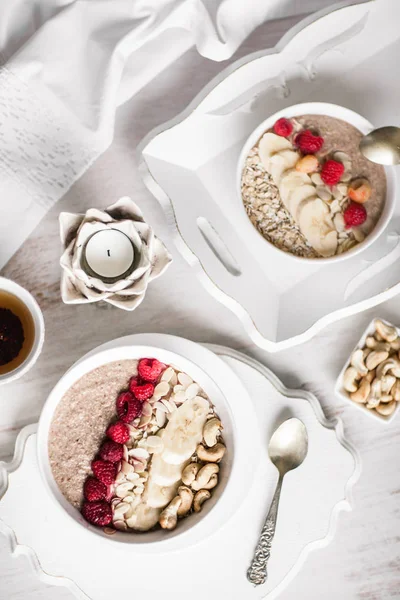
(203, 479)
(200, 498)
(370, 376)
(349, 379)
(391, 364)
(375, 393)
(385, 398)
(211, 431)
(387, 382)
(387, 332)
(372, 402)
(189, 473)
(395, 391)
(357, 361)
(395, 345)
(386, 409)
(362, 393)
(372, 343)
(213, 454)
(375, 358)
(186, 496)
(169, 516)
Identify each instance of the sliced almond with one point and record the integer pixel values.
(139, 453)
(161, 389)
(144, 421)
(179, 397)
(160, 417)
(122, 488)
(168, 374)
(192, 390)
(147, 409)
(126, 467)
(171, 407)
(323, 193)
(184, 380)
(316, 179)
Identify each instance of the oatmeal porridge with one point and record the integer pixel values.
(307, 188)
(136, 445)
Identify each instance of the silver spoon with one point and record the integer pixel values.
(287, 449)
(382, 146)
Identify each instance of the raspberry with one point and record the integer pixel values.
(142, 392)
(97, 513)
(150, 369)
(331, 172)
(118, 432)
(128, 407)
(111, 451)
(283, 127)
(94, 489)
(105, 471)
(308, 142)
(354, 215)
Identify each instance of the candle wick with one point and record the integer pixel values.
(108, 253)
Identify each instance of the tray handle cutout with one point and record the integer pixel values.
(218, 246)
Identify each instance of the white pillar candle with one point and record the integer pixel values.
(109, 254)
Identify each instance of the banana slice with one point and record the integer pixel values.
(158, 496)
(184, 430)
(144, 517)
(291, 181)
(164, 473)
(281, 162)
(297, 196)
(269, 145)
(316, 225)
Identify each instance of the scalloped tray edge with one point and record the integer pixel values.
(345, 504)
(191, 258)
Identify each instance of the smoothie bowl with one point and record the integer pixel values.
(139, 445)
(307, 189)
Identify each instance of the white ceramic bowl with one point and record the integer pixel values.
(338, 112)
(344, 394)
(6, 285)
(231, 401)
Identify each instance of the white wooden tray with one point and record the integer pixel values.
(348, 57)
(312, 498)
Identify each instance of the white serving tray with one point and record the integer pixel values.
(312, 498)
(189, 164)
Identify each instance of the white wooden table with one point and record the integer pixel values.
(363, 562)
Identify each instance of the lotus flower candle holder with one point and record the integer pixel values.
(109, 255)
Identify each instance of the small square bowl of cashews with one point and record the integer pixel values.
(370, 379)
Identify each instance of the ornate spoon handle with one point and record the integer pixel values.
(257, 572)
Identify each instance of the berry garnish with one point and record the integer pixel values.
(354, 215)
(150, 369)
(359, 191)
(142, 392)
(97, 513)
(332, 172)
(111, 451)
(118, 432)
(128, 407)
(94, 489)
(308, 142)
(105, 471)
(283, 127)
